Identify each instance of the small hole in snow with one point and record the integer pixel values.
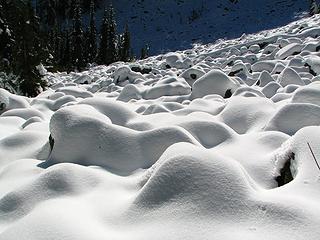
(285, 173)
(193, 76)
(228, 94)
(51, 142)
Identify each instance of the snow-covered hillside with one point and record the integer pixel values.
(176, 24)
(215, 142)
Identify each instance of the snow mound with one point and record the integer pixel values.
(213, 82)
(182, 174)
(292, 117)
(290, 76)
(221, 140)
(309, 94)
(10, 101)
(289, 50)
(113, 147)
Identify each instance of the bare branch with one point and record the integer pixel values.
(314, 157)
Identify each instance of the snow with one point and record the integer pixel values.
(213, 82)
(181, 145)
(289, 50)
(289, 76)
(162, 24)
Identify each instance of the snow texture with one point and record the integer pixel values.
(214, 142)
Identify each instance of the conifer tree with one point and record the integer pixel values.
(125, 45)
(144, 52)
(91, 46)
(29, 52)
(65, 51)
(58, 43)
(102, 54)
(63, 7)
(73, 5)
(51, 17)
(6, 41)
(111, 37)
(77, 41)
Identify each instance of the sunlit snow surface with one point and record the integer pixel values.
(164, 153)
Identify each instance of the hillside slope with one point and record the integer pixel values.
(176, 24)
(220, 141)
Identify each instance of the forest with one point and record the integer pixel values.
(61, 35)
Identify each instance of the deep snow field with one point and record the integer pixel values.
(158, 149)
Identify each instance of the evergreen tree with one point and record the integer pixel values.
(63, 7)
(6, 41)
(314, 8)
(65, 53)
(108, 38)
(86, 4)
(144, 52)
(72, 10)
(29, 52)
(102, 54)
(58, 44)
(51, 17)
(77, 41)
(125, 45)
(91, 46)
(132, 56)
(111, 37)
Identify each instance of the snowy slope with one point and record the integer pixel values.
(171, 24)
(207, 143)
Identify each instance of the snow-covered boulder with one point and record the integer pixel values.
(290, 76)
(176, 60)
(10, 101)
(85, 136)
(129, 92)
(267, 65)
(214, 82)
(290, 49)
(245, 114)
(124, 73)
(292, 117)
(75, 91)
(308, 94)
(83, 79)
(264, 78)
(192, 74)
(170, 86)
(270, 89)
(313, 62)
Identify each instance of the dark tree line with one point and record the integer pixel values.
(53, 33)
(73, 46)
(22, 46)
